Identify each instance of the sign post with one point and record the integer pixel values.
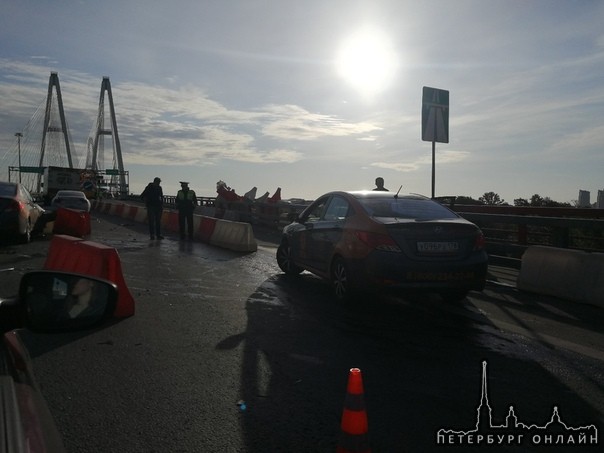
(435, 122)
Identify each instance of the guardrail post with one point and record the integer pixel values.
(522, 234)
(560, 237)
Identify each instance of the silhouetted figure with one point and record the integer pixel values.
(186, 201)
(153, 195)
(379, 184)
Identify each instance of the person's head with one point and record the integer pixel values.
(156, 181)
(184, 185)
(379, 181)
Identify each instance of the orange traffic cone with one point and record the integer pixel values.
(354, 435)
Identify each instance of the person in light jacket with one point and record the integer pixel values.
(186, 202)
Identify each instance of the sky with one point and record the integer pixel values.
(319, 95)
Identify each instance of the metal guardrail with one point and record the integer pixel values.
(514, 233)
(509, 230)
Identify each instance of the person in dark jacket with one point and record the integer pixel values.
(186, 201)
(379, 185)
(153, 196)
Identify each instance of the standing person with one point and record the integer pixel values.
(153, 195)
(186, 201)
(379, 184)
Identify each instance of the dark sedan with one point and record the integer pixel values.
(379, 240)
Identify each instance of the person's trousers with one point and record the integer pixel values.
(185, 221)
(154, 219)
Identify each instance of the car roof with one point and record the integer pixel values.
(74, 193)
(8, 188)
(366, 194)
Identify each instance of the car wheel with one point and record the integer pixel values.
(340, 280)
(454, 295)
(284, 260)
(26, 237)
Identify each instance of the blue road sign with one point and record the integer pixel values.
(435, 115)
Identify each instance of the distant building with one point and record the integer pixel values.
(600, 202)
(584, 199)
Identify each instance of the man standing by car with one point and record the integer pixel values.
(153, 195)
(186, 201)
(379, 184)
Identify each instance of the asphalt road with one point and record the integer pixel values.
(226, 354)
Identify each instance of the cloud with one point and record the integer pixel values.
(443, 157)
(165, 126)
(291, 122)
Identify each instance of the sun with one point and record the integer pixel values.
(367, 61)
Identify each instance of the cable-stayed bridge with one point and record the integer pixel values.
(46, 142)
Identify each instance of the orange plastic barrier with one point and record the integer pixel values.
(70, 254)
(206, 228)
(354, 435)
(72, 222)
(169, 221)
(132, 211)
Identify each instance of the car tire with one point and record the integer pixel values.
(340, 281)
(454, 295)
(25, 238)
(284, 260)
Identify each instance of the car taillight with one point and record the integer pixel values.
(17, 206)
(479, 242)
(377, 241)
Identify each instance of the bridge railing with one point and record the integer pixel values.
(509, 230)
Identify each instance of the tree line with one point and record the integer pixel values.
(493, 199)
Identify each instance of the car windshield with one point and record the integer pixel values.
(406, 208)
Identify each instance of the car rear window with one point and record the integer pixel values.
(407, 208)
(8, 190)
(70, 193)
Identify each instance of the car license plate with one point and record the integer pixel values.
(440, 276)
(437, 247)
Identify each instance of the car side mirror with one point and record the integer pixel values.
(54, 300)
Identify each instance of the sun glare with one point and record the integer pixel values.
(367, 61)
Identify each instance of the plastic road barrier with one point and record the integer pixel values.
(72, 222)
(70, 254)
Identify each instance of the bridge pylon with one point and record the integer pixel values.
(53, 82)
(92, 160)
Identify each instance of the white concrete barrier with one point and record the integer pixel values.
(595, 270)
(568, 274)
(236, 236)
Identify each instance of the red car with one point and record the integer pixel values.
(385, 241)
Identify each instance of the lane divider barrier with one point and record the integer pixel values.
(72, 222)
(354, 433)
(71, 254)
(573, 275)
(228, 234)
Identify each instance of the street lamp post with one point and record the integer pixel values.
(19, 135)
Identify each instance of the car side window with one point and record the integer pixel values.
(316, 212)
(338, 209)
